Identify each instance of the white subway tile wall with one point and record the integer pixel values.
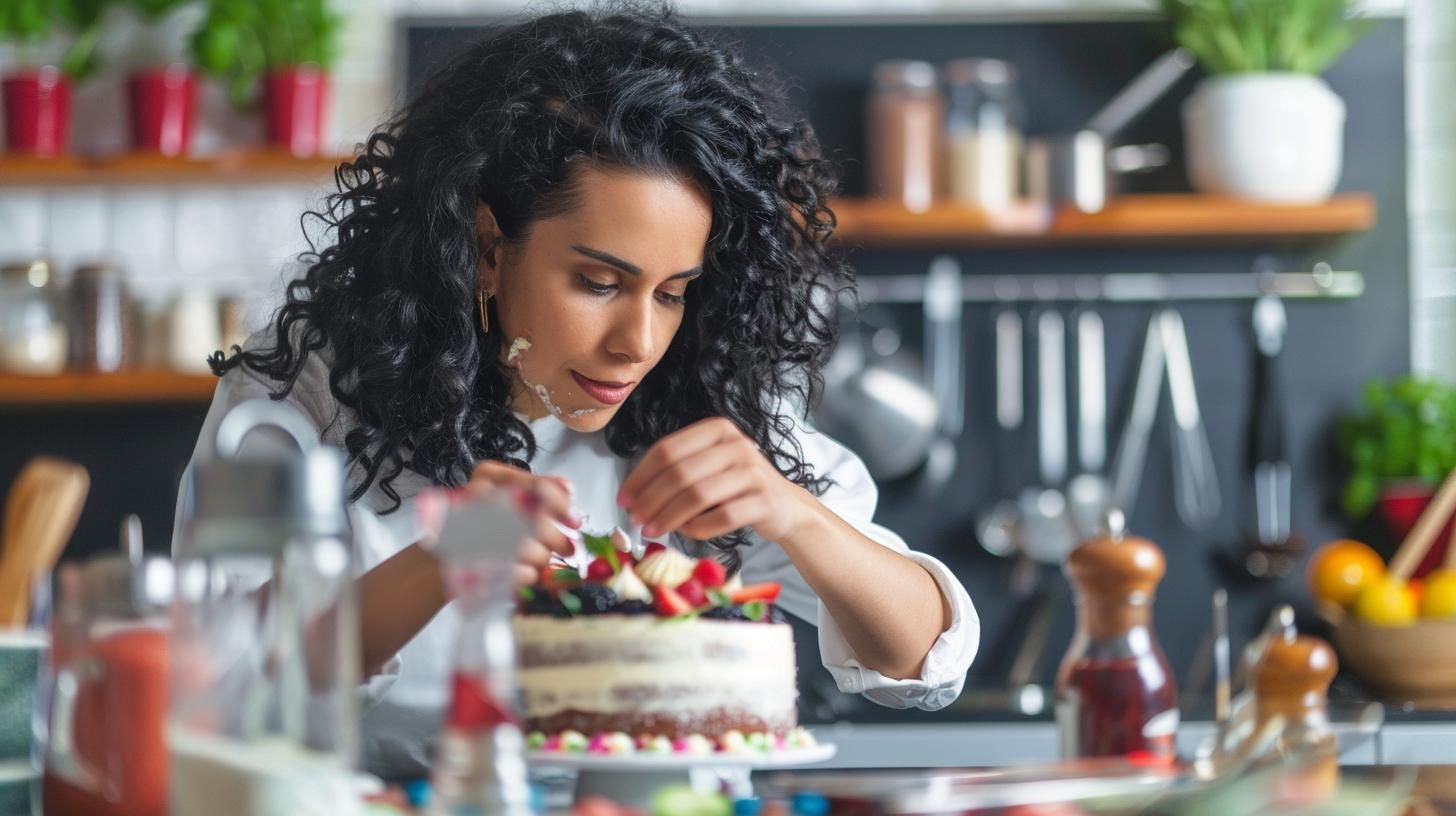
(224, 241)
(1431, 176)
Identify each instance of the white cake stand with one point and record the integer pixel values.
(631, 779)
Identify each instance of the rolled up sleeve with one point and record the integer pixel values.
(853, 497)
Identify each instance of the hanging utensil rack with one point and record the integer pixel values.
(1322, 282)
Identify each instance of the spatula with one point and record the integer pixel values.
(40, 514)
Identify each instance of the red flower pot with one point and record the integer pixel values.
(296, 99)
(37, 111)
(1400, 505)
(162, 103)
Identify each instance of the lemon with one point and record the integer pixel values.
(1439, 598)
(1387, 602)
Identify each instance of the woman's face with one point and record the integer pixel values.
(589, 302)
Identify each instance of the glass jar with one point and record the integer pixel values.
(265, 628)
(904, 142)
(103, 727)
(984, 125)
(102, 329)
(32, 330)
(1116, 694)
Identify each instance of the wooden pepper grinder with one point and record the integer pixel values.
(1292, 681)
(1116, 695)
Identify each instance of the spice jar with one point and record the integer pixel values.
(1116, 695)
(1292, 681)
(102, 333)
(194, 331)
(984, 123)
(904, 142)
(32, 332)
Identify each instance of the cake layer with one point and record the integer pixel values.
(646, 675)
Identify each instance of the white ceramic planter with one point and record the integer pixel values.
(1269, 137)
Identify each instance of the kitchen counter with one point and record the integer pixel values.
(1423, 740)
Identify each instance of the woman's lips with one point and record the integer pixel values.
(604, 392)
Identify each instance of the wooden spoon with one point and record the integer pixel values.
(1424, 533)
(41, 512)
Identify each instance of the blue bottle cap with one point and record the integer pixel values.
(417, 792)
(809, 804)
(747, 807)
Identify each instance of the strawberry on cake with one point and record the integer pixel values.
(667, 654)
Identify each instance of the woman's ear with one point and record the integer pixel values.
(487, 243)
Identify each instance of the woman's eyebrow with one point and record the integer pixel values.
(627, 266)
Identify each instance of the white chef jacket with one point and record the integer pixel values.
(403, 703)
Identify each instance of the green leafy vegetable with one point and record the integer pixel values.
(571, 602)
(1405, 429)
(1260, 36)
(602, 546)
(528, 594)
(756, 610)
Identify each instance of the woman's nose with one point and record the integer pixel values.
(631, 336)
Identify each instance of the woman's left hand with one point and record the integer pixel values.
(709, 479)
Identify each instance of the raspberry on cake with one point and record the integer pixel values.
(709, 666)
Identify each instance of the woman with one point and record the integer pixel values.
(589, 258)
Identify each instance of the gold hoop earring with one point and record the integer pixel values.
(481, 297)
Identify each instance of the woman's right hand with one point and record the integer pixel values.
(555, 495)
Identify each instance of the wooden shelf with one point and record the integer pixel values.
(259, 166)
(1129, 219)
(135, 388)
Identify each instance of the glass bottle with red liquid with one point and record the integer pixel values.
(480, 764)
(1116, 695)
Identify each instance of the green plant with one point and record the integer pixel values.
(241, 39)
(30, 23)
(1405, 429)
(1257, 36)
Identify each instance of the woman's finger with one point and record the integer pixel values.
(534, 553)
(525, 575)
(672, 448)
(673, 480)
(555, 495)
(551, 536)
(696, 498)
(724, 519)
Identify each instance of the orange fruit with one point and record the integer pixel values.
(1386, 602)
(1341, 569)
(1439, 598)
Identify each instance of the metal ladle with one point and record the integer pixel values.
(1047, 531)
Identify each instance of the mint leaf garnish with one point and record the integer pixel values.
(528, 594)
(571, 602)
(602, 546)
(718, 597)
(566, 575)
(755, 610)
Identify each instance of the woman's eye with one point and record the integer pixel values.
(671, 299)
(596, 288)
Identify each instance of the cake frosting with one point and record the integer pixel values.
(647, 675)
(667, 651)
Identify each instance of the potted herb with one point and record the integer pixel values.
(163, 90)
(287, 46)
(1399, 447)
(1264, 125)
(37, 94)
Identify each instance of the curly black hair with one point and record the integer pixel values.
(506, 123)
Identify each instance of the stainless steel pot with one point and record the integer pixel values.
(1079, 169)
